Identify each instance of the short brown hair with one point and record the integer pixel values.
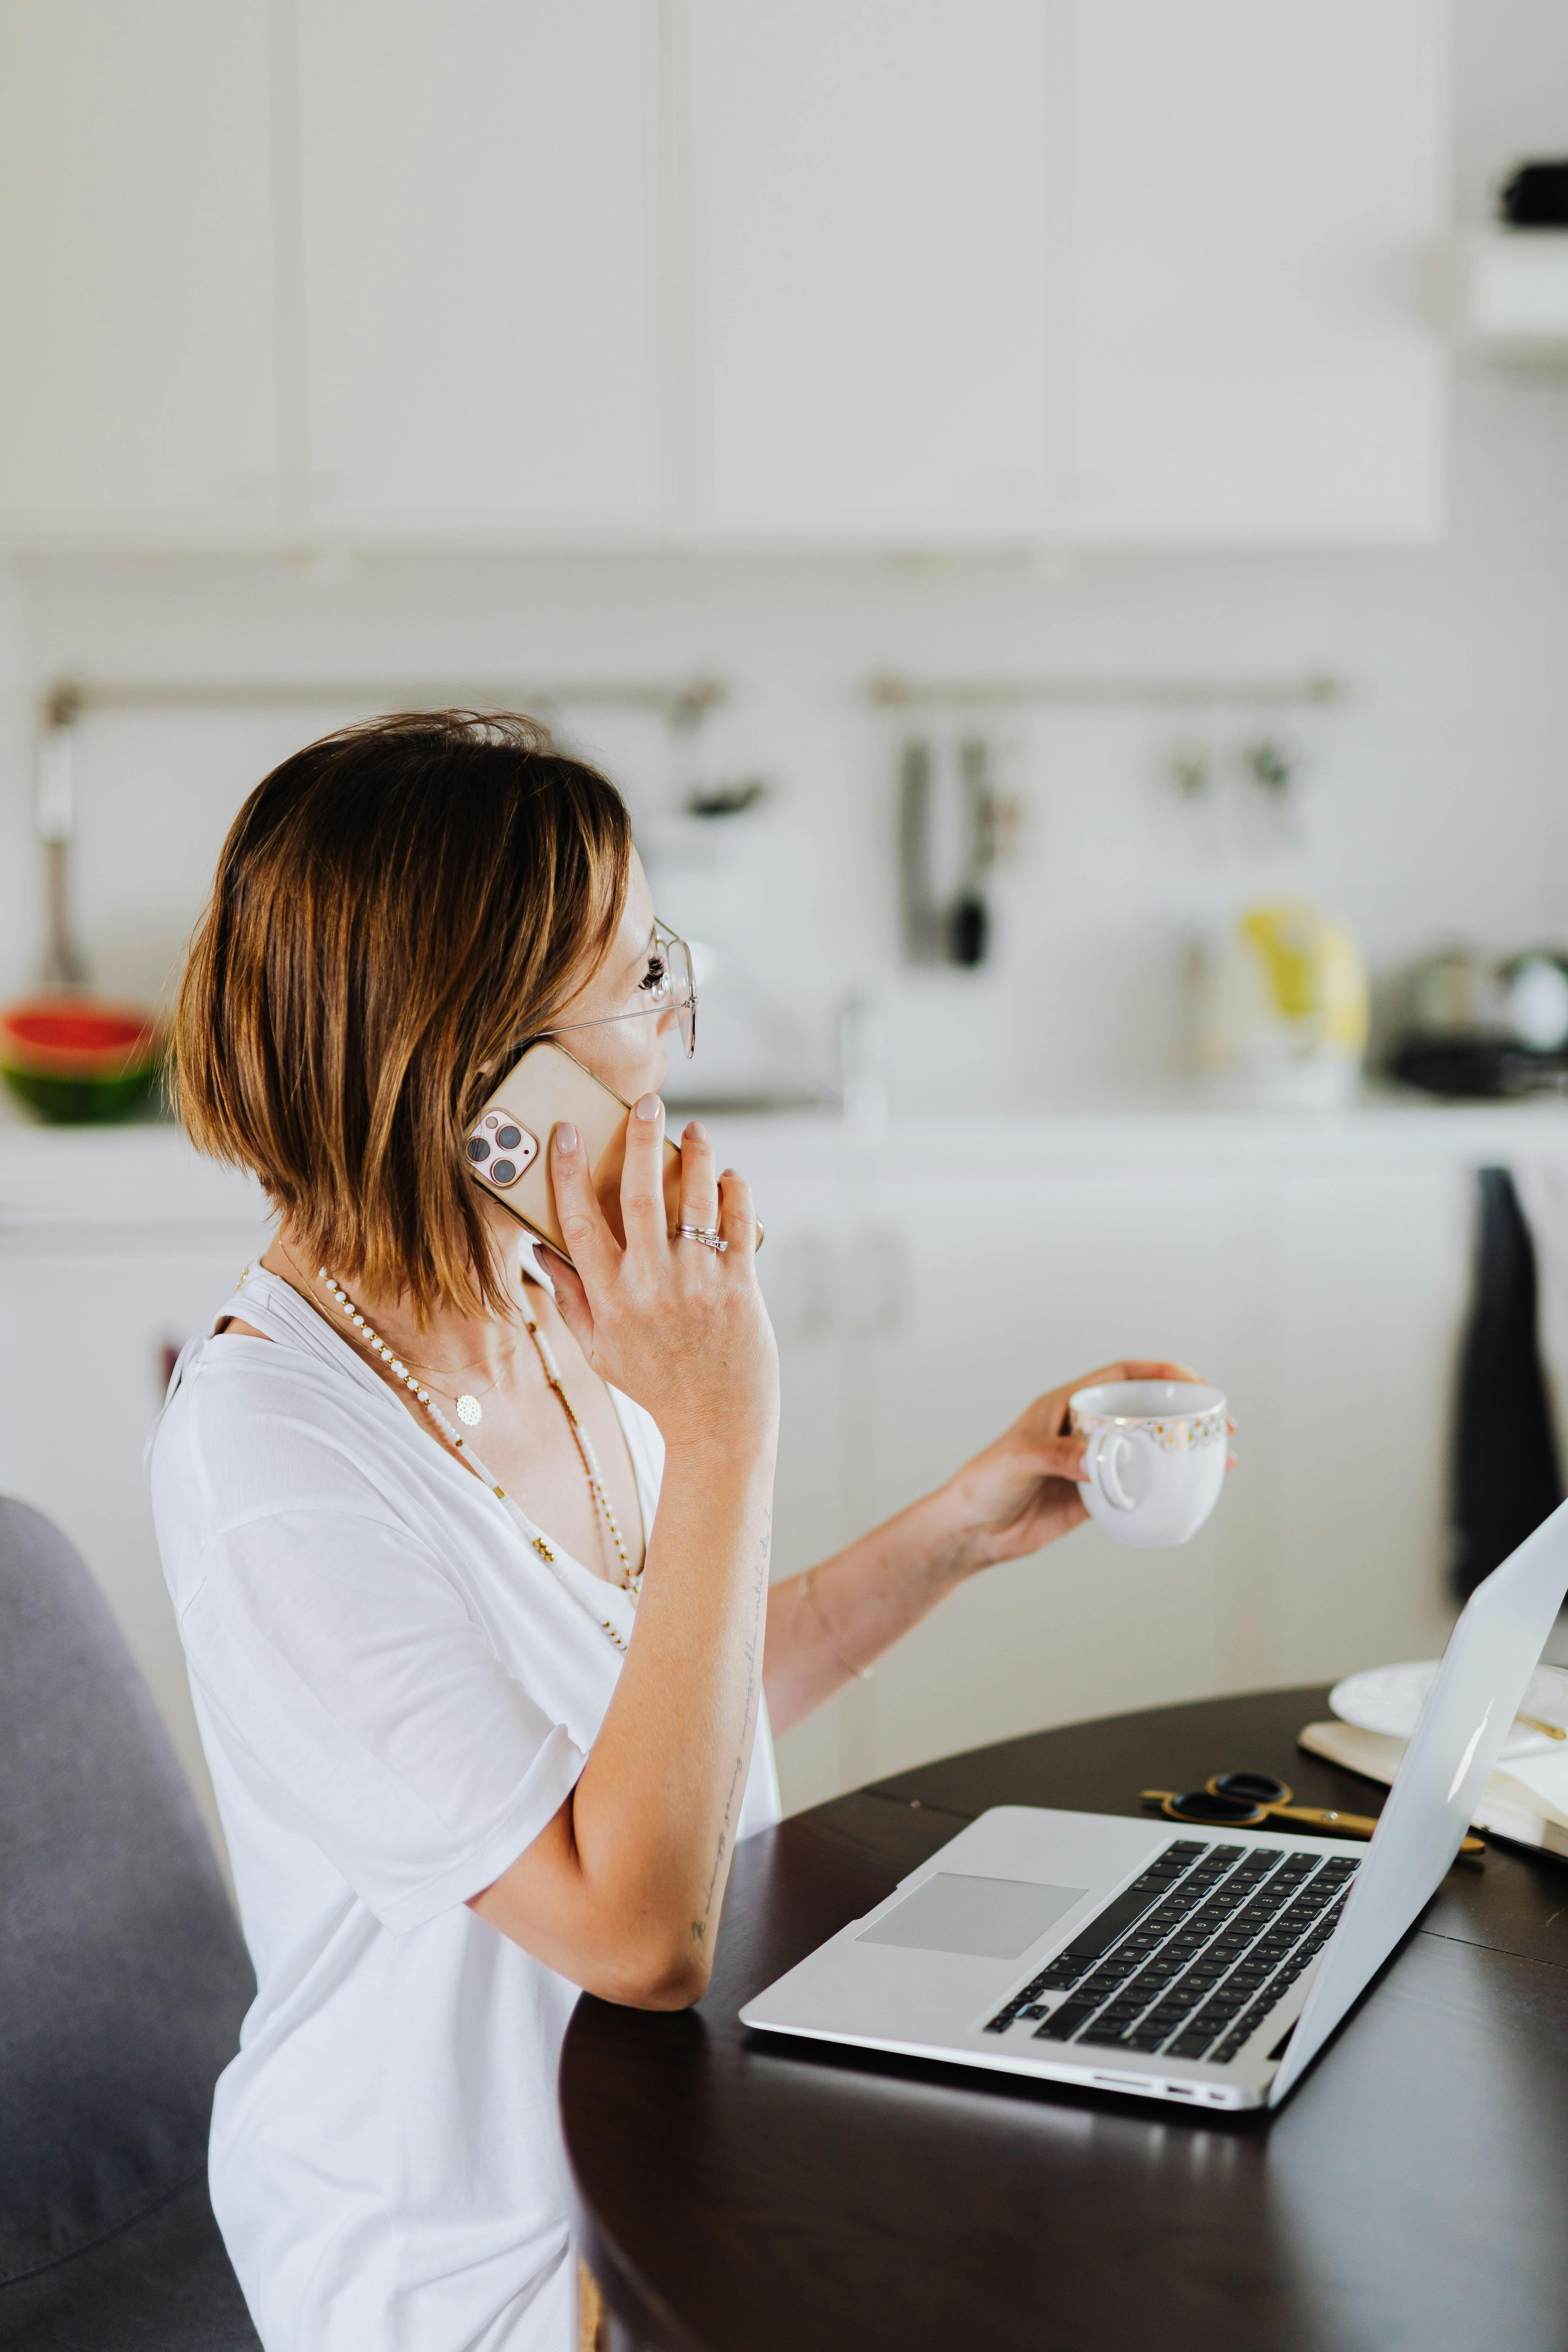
(398, 909)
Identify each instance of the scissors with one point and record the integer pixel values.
(1246, 1800)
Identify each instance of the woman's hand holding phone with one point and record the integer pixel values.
(677, 1325)
(627, 1883)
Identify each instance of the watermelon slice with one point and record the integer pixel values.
(74, 1058)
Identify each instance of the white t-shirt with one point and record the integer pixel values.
(395, 1693)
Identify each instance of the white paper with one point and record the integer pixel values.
(1541, 1781)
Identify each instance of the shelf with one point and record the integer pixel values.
(1511, 294)
(56, 1181)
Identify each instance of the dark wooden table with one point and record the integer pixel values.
(742, 2194)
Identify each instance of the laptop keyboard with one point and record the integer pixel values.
(1192, 1956)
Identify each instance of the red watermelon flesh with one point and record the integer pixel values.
(76, 1037)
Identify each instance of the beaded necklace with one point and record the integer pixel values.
(631, 1578)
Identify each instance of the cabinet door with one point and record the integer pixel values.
(1258, 201)
(1370, 1285)
(137, 393)
(479, 225)
(867, 187)
(86, 1325)
(800, 1269)
(990, 1292)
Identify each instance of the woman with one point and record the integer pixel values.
(486, 1705)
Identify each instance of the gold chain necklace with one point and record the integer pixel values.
(631, 1578)
(467, 1402)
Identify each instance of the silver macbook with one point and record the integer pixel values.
(1209, 1966)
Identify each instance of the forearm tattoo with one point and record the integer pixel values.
(759, 1585)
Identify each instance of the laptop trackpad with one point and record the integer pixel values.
(989, 1919)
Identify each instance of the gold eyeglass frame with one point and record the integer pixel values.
(685, 1006)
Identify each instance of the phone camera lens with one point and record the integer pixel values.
(478, 1147)
(508, 1138)
(503, 1172)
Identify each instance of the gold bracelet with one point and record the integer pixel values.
(805, 1592)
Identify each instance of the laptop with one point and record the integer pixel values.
(1148, 1957)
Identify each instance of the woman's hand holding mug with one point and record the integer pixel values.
(1031, 1485)
(1155, 1456)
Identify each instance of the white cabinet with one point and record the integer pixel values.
(480, 224)
(939, 1306)
(88, 1319)
(871, 272)
(1138, 271)
(924, 1288)
(1010, 1285)
(868, 186)
(817, 1503)
(1320, 1272)
(1257, 199)
(137, 391)
(1370, 1279)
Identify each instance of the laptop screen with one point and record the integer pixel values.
(1469, 1711)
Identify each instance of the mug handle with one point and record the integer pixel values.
(1100, 1462)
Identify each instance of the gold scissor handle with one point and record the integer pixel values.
(1324, 1817)
(1353, 1824)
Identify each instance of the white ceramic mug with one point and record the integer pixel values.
(1155, 1457)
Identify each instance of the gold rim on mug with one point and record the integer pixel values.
(1173, 1432)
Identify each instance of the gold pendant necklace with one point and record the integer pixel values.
(468, 1409)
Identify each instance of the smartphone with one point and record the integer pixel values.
(509, 1142)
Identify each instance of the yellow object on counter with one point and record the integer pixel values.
(1283, 1007)
(1314, 970)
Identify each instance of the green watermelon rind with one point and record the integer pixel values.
(83, 1102)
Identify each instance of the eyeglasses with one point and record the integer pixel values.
(675, 985)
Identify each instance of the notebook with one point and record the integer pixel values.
(1527, 1801)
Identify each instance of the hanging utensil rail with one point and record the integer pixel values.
(682, 703)
(888, 692)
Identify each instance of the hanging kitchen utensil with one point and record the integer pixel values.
(920, 920)
(70, 1057)
(969, 918)
(64, 965)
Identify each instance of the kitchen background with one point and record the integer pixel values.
(1270, 607)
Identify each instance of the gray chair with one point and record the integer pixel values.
(122, 1982)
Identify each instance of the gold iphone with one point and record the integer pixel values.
(508, 1143)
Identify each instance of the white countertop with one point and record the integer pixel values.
(147, 1173)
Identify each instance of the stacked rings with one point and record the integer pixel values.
(707, 1235)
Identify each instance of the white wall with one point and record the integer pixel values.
(1432, 803)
